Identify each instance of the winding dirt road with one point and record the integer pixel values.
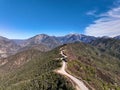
(79, 84)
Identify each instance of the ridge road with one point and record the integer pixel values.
(79, 84)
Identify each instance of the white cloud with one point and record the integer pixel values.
(91, 13)
(107, 25)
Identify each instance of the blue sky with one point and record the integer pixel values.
(25, 18)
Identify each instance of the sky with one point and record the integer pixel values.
(21, 19)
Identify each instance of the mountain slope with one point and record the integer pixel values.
(44, 39)
(99, 70)
(39, 47)
(10, 47)
(52, 41)
(36, 74)
(117, 37)
(71, 38)
(109, 45)
(13, 62)
(7, 47)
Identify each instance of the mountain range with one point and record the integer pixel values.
(42, 42)
(30, 64)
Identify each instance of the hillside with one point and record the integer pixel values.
(49, 41)
(117, 37)
(108, 45)
(40, 47)
(37, 74)
(71, 38)
(99, 70)
(18, 60)
(7, 47)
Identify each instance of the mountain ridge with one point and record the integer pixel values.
(12, 46)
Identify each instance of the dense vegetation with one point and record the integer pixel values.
(108, 45)
(100, 70)
(37, 74)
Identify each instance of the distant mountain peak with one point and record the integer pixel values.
(3, 38)
(42, 35)
(105, 37)
(117, 37)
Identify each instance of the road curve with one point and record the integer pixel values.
(79, 84)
